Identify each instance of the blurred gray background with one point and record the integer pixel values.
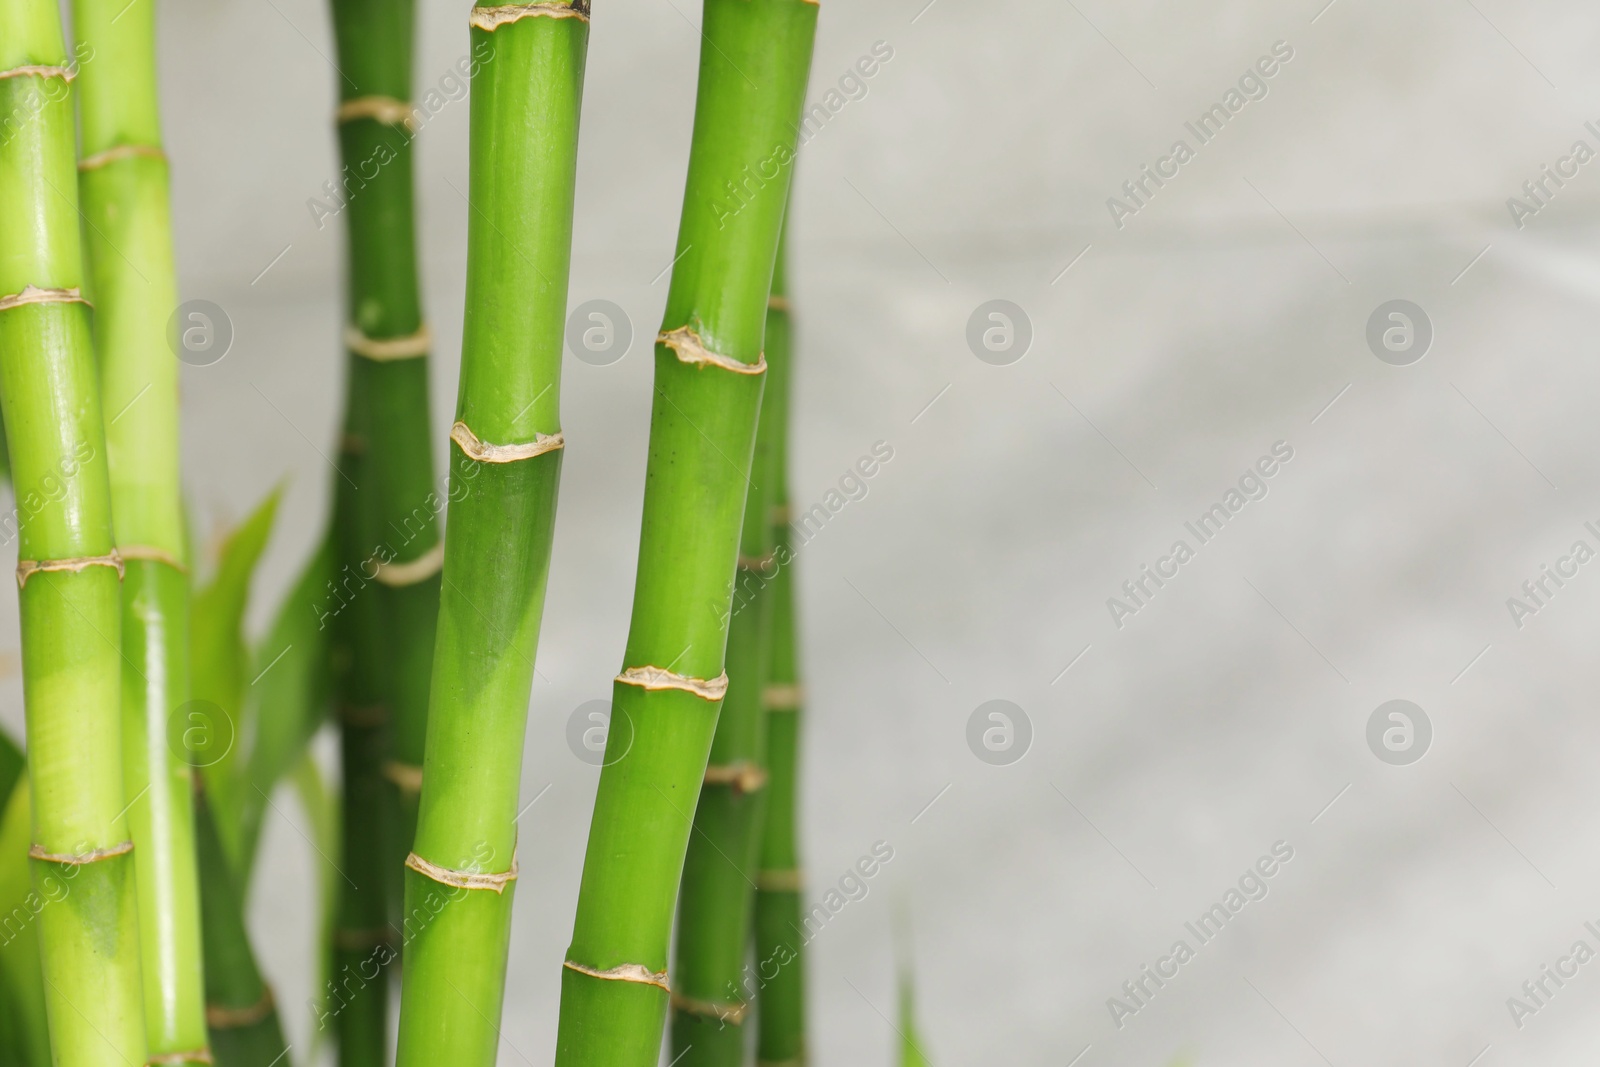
(1228, 313)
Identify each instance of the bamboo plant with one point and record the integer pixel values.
(506, 448)
(779, 944)
(709, 372)
(68, 570)
(124, 189)
(385, 517)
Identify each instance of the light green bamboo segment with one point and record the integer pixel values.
(127, 234)
(506, 449)
(68, 570)
(754, 61)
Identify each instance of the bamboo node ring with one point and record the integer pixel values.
(490, 18)
(778, 303)
(27, 568)
(757, 563)
(732, 1012)
(386, 349)
(476, 448)
(109, 156)
(744, 776)
(412, 571)
(33, 294)
(689, 349)
(406, 776)
(782, 697)
(367, 715)
(624, 972)
(361, 940)
(780, 881)
(178, 1059)
(152, 554)
(224, 1017)
(78, 859)
(36, 70)
(463, 879)
(661, 678)
(384, 109)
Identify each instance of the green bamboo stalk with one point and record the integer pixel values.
(779, 938)
(240, 1012)
(68, 571)
(506, 462)
(21, 977)
(708, 383)
(133, 282)
(720, 865)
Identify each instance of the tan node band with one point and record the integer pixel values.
(488, 18)
(625, 972)
(789, 881)
(363, 714)
(153, 555)
(32, 294)
(778, 303)
(361, 940)
(386, 349)
(476, 448)
(782, 697)
(27, 568)
(796, 1062)
(384, 109)
(686, 344)
(352, 444)
(660, 678)
(744, 776)
(756, 563)
(732, 1013)
(178, 1059)
(78, 859)
(407, 776)
(780, 515)
(111, 155)
(223, 1017)
(412, 571)
(463, 879)
(35, 71)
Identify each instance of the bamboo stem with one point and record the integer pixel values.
(124, 187)
(506, 449)
(69, 570)
(709, 375)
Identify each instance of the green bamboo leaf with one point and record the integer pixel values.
(321, 806)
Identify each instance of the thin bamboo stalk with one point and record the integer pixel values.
(506, 449)
(779, 977)
(69, 569)
(708, 384)
(124, 188)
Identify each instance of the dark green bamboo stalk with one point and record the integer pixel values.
(779, 977)
(68, 566)
(506, 463)
(709, 373)
(123, 183)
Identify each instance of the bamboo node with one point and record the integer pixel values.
(757, 563)
(361, 940)
(387, 349)
(406, 776)
(790, 881)
(490, 18)
(623, 972)
(463, 879)
(687, 345)
(78, 859)
(778, 303)
(476, 448)
(152, 554)
(384, 109)
(111, 155)
(412, 571)
(27, 568)
(179, 1059)
(780, 515)
(783, 696)
(32, 294)
(661, 678)
(36, 70)
(226, 1017)
(744, 776)
(731, 1012)
(367, 715)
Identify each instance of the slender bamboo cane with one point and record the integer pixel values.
(708, 383)
(20, 974)
(69, 568)
(123, 184)
(506, 462)
(719, 867)
(779, 941)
